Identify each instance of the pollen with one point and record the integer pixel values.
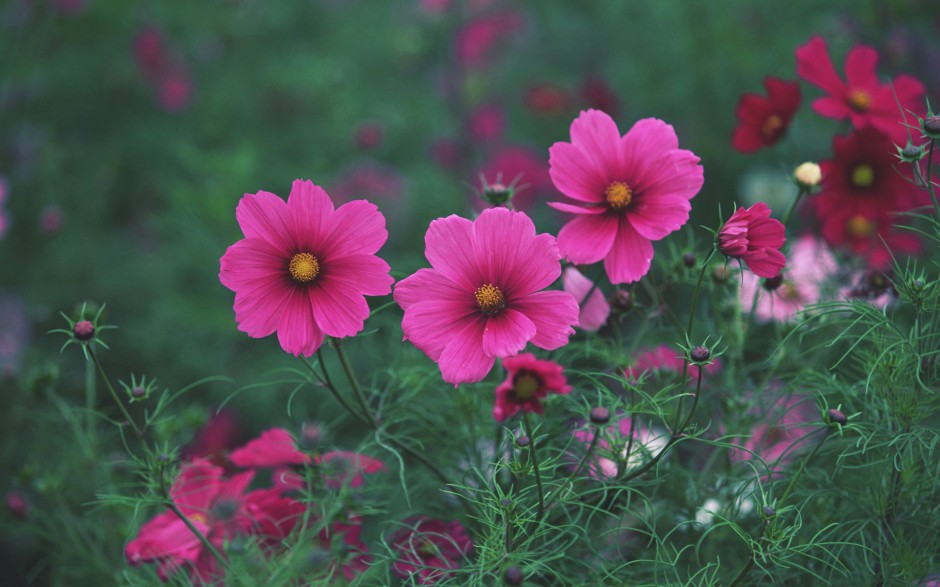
(525, 385)
(304, 267)
(198, 517)
(618, 195)
(859, 100)
(490, 299)
(771, 126)
(863, 176)
(859, 227)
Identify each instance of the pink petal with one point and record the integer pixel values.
(630, 256)
(449, 248)
(430, 324)
(357, 227)
(576, 174)
(814, 65)
(553, 313)
(463, 359)
(197, 485)
(511, 255)
(831, 108)
(588, 239)
(507, 333)
(265, 216)
(311, 214)
(675, 173)
(297, 332)
(260, 305)
(595, 310)
(363, 272)
(654, 218)
(272, 448)
(573, 209)
(596, 134)
(165, 536)
(427, 284)
(766, 263)
(339, 308)
(860, 66)
(647, 136)
(250, 260)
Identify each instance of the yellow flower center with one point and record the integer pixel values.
(863, 176)
(618, 195)
(860, 227)
(525, 386)
(489, 298)
(859, 100)
(771, 125)
(304, 267)
(197, 517)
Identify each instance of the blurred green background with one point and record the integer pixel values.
(129, 130)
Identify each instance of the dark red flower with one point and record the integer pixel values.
(861, 194)
(486, 122)
(546, 99)
(474, 43)
(428, 550)
(528, 381)
(596, 93)
(754, 237)
(862, 98)
(762, 121)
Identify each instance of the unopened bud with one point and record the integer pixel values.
(769, 512)
(911, 154)
(83, 330)
(837, 417)
(17, 504)
(600, 416)
(700, 354)
(932, 126)
(522, 441)
(688, 260)
(513, 576)
(621, 300)
(311, 436)
(138, 391)
(497, 193)
(808, 175)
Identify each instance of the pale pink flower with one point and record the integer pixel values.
(482, 298)
(610, 453)
(595, 309)
(429, 550)
(303, 269)
(666, 358)
(780, 433)
(780, 298)
(630, 190)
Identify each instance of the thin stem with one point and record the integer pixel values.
(796, 476)
(535, 468)
(91, 401)
(329, 385)
(933, 196)
(587, 455)
(114, 395)
(594, 285)
(688, 330)
(799, 196)
(744, 571)
(189, 524)
(357, 391)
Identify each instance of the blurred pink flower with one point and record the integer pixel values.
(594, 310)
(215, 438)
(476, 40)
(528, 381)
(546, 99)
(369, 135)
(445, 152)
(780, 433)
(174, 90)
(150, 52)
(428, 550)
(596, 93)
(666, 358)
(303, 269)
(520, 164)
(610, 454)
(341, 467)
(629, 190)
(753, 236)
(483, 297)
(16, 503)
(369, 179)
(273, 448)
(486, 123)
(51, 219)
(810, 265)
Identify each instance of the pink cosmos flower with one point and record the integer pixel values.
(370, 179)
(429, 550)
(348, 550)
(273, 448)
(629, 190)
(753, 236)
(51, 219)
(862, 98)
(595, 310)
(174, 90)
(213, 505)
(369, 135)
(666, 358)
(611, 450)
(528, 380)
(781, 298)
(214, 438)
(780, 433)
(487, 122)
(482, 298)
(274, 516)
(150, 52)
(303, 268)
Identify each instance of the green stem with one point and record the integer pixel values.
(744, 571)
(796, 476)
(688, 330)
(113, 393)
(535, 469)
(189, 524)
(587, 455)
(354, 383)
(328, 383)
(91, 401)
(933, 196)
(796, 200)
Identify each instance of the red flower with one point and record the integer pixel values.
(861, 98)
(763, 121)
(861, 193)
(546, 99)
(596, 93)
(528, 380)
(754, 237)
(429, 550)
(273, 448)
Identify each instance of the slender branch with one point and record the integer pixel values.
(189, 524)
(354, 383)
(792, 208)
(587, 455)
(114, 395)
(535, 468)
(796, 476)
(933, 196)
(688, 330)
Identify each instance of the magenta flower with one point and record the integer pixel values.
(629, 190)
(273, 448)
(666, 358)
(594, 310)
(754, 237)
(528, 381)
(862, 98)
(303, 268)
(482, 298)
(429, 550)
(213, 505)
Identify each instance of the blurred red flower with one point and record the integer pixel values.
(762, 121)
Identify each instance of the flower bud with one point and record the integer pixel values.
(513, 576)
(600, 416)
(522, 441)
(837, 417)
(772, 283)
(700, 354)
(621, 300)
(311, 436)
(83, 330)
(808, 175)
(769, 512)
(931, 126)
(497, 193)
(911, 154)
(17, 504)
(138, 391)
(688, 260)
